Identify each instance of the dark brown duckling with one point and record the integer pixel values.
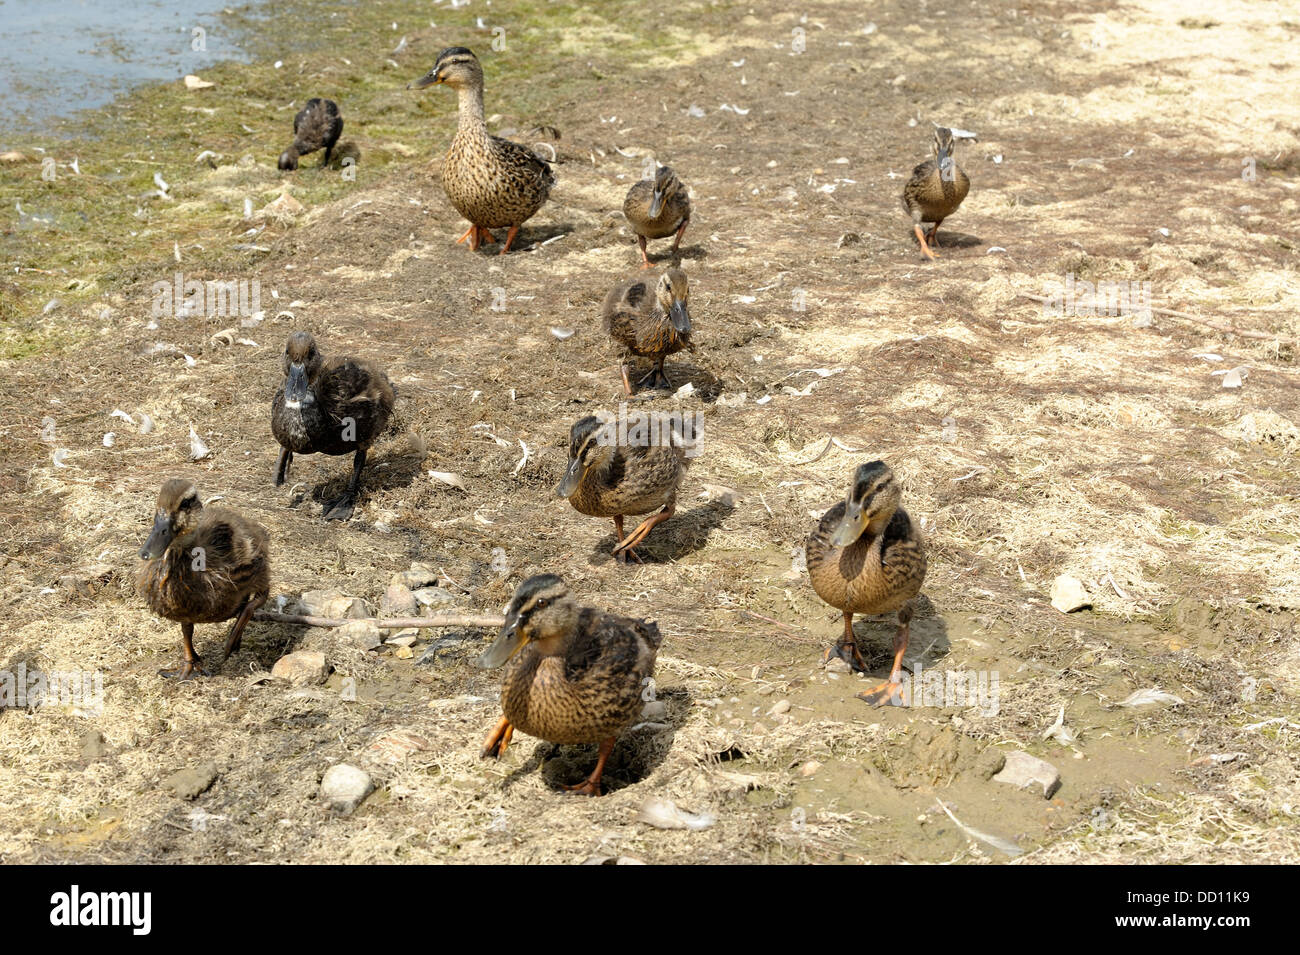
(574, 674)
(202, 565)
(318, 125)
(649, 325)
(936, 189)
(657, 208)
(329, 406)
(866, 556)
(608, 479)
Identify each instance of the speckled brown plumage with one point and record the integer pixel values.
(935, 190)
(672, 216)
(491, 181)
(606, 478)
(649, 319)
(876, 565)
(573, 674)
(202, 565)
(336, 405)
(318, 125)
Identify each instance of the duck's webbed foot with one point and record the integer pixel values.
(188, 670)
(656, 380)
(341, 508)
(591, 785)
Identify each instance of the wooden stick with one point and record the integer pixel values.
(1243, 332)
(388, 623)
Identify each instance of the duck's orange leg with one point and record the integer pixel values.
(191, 664)
(847, 647)
(920, 237)
(638, 535)
(622, 556)
(498, 739)
(680, 229)
(591, 785)
(640, 241)
(891, 691)
(510, 237)
(237, 629)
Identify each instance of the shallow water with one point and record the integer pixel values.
(61, 56)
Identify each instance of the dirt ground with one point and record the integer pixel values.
(1029, 445)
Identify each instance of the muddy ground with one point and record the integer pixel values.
(1029, 444)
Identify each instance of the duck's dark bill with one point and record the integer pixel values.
(571, 479)
(656, 204)
(851, 527)
(295, 388)
(159, 538)
(507, 643)
(427, 80)
(680, 317)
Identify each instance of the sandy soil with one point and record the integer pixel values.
(1029, 445)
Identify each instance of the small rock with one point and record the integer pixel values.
(1068, 594)
(782, 706)
(333, 604)
(397, 601)
(420, 575)
(394, 746)
(93, 746)
(404, 638)
(403, 653)
(809, 768)
(343, 787)
(1029, 772)
(301, 668)
(190, 783)
(362, 634)
(435, 597)
(990, 762)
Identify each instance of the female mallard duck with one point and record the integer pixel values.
(606, 478)
(935, 190)
(650, 326)
(657, 208)
(329, 406)
(575, 674)
(202, 565)
(491, 181)
(866, 556)
(318, 125)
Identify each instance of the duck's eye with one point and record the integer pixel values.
(541, 604)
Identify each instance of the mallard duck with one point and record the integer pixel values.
(866, 556)
(606, 478)
(657, 208)
(318, 125)
(329, 406)
(491, 181)
(202, 565)
(650, 326)
(935, 190)
(575, 674)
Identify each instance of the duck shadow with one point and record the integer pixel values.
(948, 239)
(693, 253)
(384, 471)
(682, 534)
(681, 370)
(528, 239)
(637, 754)
(927, 643)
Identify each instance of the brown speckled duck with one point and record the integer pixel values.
(936, 189)
(657, 208)
(866, 556)
(491, 181)
(329, 406)
(649, 320)
(608, 479)
(318, 125)
(574, 674)
(202, 565)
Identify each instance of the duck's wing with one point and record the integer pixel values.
(531, 168)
